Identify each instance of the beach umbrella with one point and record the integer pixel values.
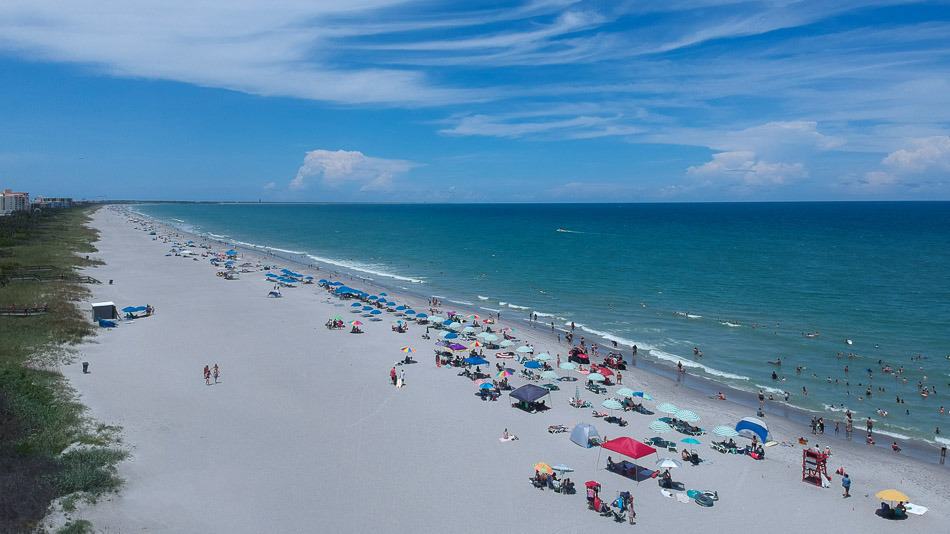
(129, 309)
(596, 377)
(373, 297)
(447, 322)
(660, 427)
(561, 468)
(643, 395)
(367, 308)
(449, 335)
(504, 373)
(407, 350)
(468, 330)
(486, 385)
(383, 295)
(686, 415)
(355, 305)
(456, 347)
(542, 467)
(625, 392)
(543, 357)
(410, 312)
(892, 495)
(422, 316)
(455, 326)
(612, 404)
(549, 375)
(357, 323)
(725, 431)
(667, 463)
(506, 343)
(667, 407)
(568, 366)
(605, 371)
(401, 308)
(475, 360)
(691, 441)
(375, 312)
(524, 349)
(532, 364)
(591, 484)
(436, 318)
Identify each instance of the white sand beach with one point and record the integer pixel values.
(305, 433)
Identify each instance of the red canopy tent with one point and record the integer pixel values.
(628, 447)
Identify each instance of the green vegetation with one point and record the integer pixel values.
(48, 447)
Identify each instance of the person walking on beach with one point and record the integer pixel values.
(392, 375)
(619, 378)
(846, 484)
(215, 373)
(207, 373)
(402, 379)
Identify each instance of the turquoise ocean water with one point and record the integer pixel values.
(742, 282)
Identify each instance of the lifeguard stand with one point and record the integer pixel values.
(814, 466)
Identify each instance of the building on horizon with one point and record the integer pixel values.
(52, 202)
(12, 201)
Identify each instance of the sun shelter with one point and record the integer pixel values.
(104, 310)
(751, 426)
(633, 449)
(583, 433)
(529, 394)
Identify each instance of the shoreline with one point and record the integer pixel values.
(924, 451)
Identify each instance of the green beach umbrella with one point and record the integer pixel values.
(596, 377)
(667, 407)
(549, 375)
(660, 427)
(612, 404)
(625, 392)
(543, 357)
(506, 343)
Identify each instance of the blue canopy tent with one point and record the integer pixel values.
(528, 394)
(751, 426)
(532, 364)
(475, 360)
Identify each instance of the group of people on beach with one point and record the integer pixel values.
(211, 372)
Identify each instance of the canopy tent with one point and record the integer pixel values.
(104, 310)
(529, 393)
(628, 447)
(751, 426)
(583, 433)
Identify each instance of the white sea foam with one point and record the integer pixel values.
(177, 220)
(771, 389)
(461, 302)
(894, 435)
(730, 324)
(543, 314)
(939, 439)
(481, 297)
(566, 231)
(502, 303)
(662, 355)
(489, 309)
(363, 268)
(516, 307)
(693, 316)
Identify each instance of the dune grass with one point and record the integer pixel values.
(48, 446)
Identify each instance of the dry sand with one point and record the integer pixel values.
(304, 433)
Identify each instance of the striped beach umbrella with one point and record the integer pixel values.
(543, 357)
(549, 375)
(686, 415)
(625, 392)
(568, 366)
(596, 377)
(612, 404)
(660, 427)
(667, 407)
(643, 395)
(725, 431)
(408, 349)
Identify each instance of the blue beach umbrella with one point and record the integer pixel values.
(642, 395)
(383, 294)
(447, 322)
(533, 364)
(410, 312)
(401, 308)
(449, 335)
(475, 360)
(355, 305)
(422, 316)
(367, 308)
(375, 312)
(487, 385)
(373, 297)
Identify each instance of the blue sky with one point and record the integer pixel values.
(528, 100)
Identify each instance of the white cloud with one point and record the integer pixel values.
(270, 185)
(928, 153)
(746, 168)
(925, 157)
(339, 167)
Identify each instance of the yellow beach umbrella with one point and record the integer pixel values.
(892, 495)
(544, 468)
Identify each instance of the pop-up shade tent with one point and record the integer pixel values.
(529, 393)
(583, 433)
(750, 426)
(628, 447)
(104, 310)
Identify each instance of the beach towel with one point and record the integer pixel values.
(666, 493)
(509, 438)
(683, 498)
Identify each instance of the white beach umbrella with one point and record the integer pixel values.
(667, 463)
